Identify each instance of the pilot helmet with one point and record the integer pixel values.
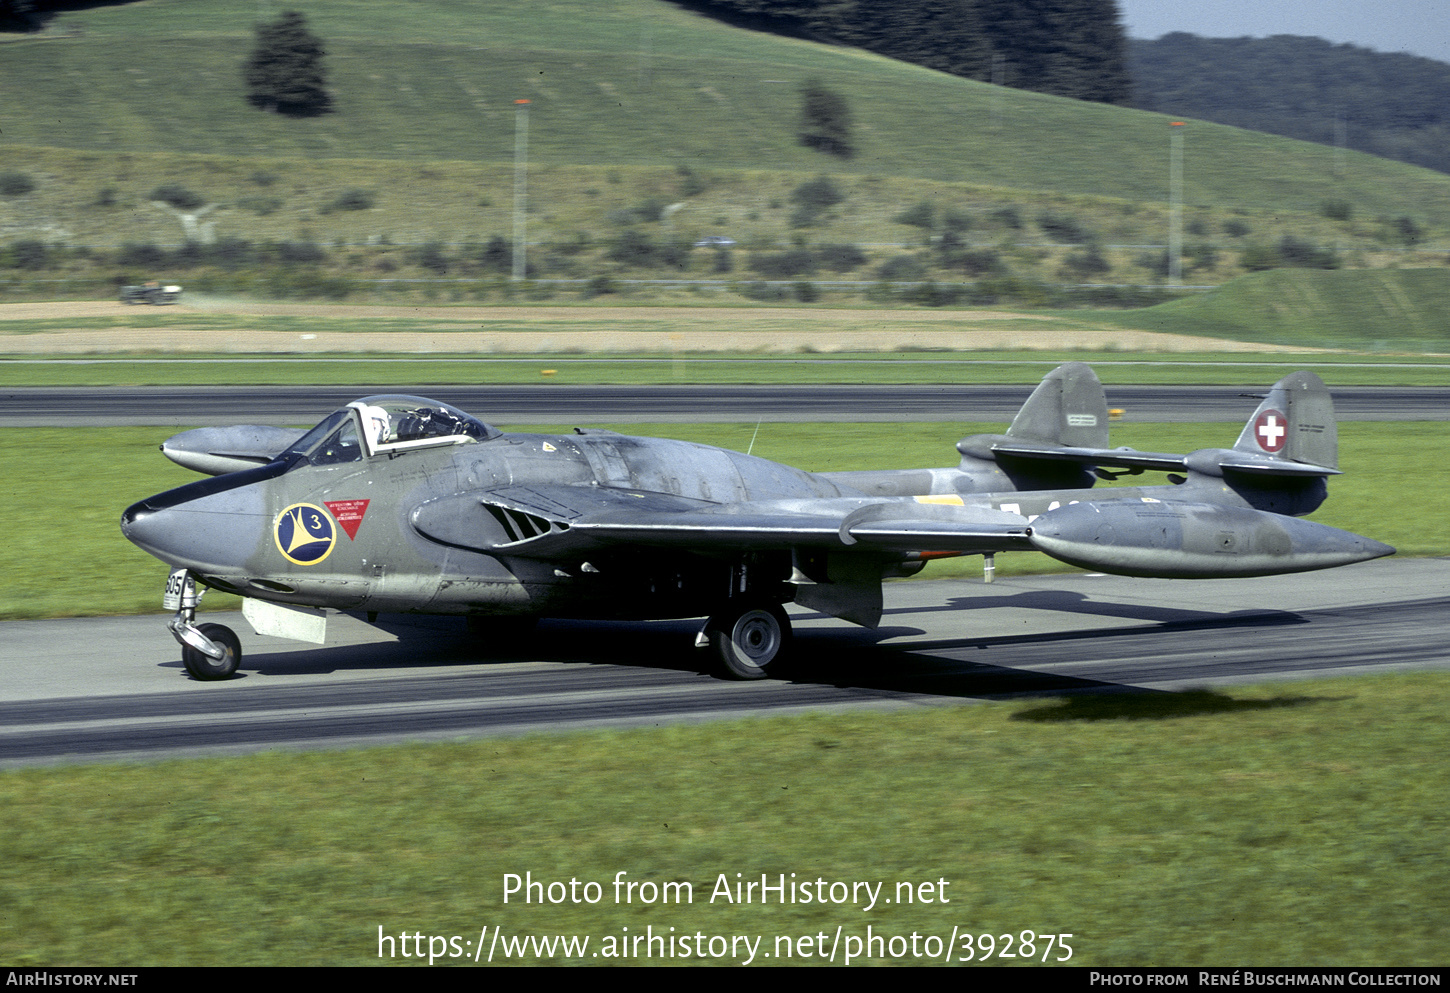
(377, 424)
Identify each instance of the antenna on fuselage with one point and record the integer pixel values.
(753, 437)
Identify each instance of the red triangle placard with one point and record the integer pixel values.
(349, 514)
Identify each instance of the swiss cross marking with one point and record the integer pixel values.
(1270, 429)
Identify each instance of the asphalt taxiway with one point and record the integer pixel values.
(79, 406)
(109, 689)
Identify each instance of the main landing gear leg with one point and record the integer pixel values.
(750, 638)
(209, 651)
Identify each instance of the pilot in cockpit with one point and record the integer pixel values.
(377, 424)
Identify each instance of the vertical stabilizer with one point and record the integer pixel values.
(1295, 422)
(1068, 408)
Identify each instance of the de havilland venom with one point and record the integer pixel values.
(403, 504)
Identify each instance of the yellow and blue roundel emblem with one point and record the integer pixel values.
(304, 533)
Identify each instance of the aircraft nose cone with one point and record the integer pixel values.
(205, 527)
(148, 527)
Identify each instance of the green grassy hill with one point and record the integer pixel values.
(1396, 309)
(635, 104)
(629, 82)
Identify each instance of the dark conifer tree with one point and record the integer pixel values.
(1072, 48)
(825, 123)
(15, 14)
(284, 73)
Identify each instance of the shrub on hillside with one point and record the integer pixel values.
(820, 193)
(15, 184)
(432, 257)
(931, 294)
(1008, 217)
(1201, 255)
(497, 255)
(761, 290)
(633, 248)
(955, 221)
(1254, 258)
(178, 196)
(352, 200)
(261, 206)
(691, 183)
(1086, 263)
(1063, 228)
(300, 252)
(839, 258)
(599, 286)
(977, 262)
(1290, 253)
(189, 255)
(144, 256)
(1407, 232)
(900, 268)
(812, 199)
(231, 253)
(649, 211)
(1299, 254)
(27, 255)
(923, 215)
(784, 265)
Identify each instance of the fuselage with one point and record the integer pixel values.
(312, 531)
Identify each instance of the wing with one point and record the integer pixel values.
(548, 522)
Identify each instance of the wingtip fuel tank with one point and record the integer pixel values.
(1153, 538)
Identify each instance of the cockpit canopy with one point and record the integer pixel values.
(385, 424)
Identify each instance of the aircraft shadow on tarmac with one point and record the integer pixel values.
(840, 656)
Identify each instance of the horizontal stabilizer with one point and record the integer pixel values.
(1208, 460)
(1120, 458)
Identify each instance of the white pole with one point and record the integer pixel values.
(521, 187)
(1175, 206)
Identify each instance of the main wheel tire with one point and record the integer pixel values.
(202, 666)
(750, 640)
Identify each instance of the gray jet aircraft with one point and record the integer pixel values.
(404, 504)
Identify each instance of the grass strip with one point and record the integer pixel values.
(1292, 824)
(806, 369)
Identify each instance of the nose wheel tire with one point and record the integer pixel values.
(750, 640)
(202, 666)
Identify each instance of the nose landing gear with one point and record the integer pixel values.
(209, 651)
